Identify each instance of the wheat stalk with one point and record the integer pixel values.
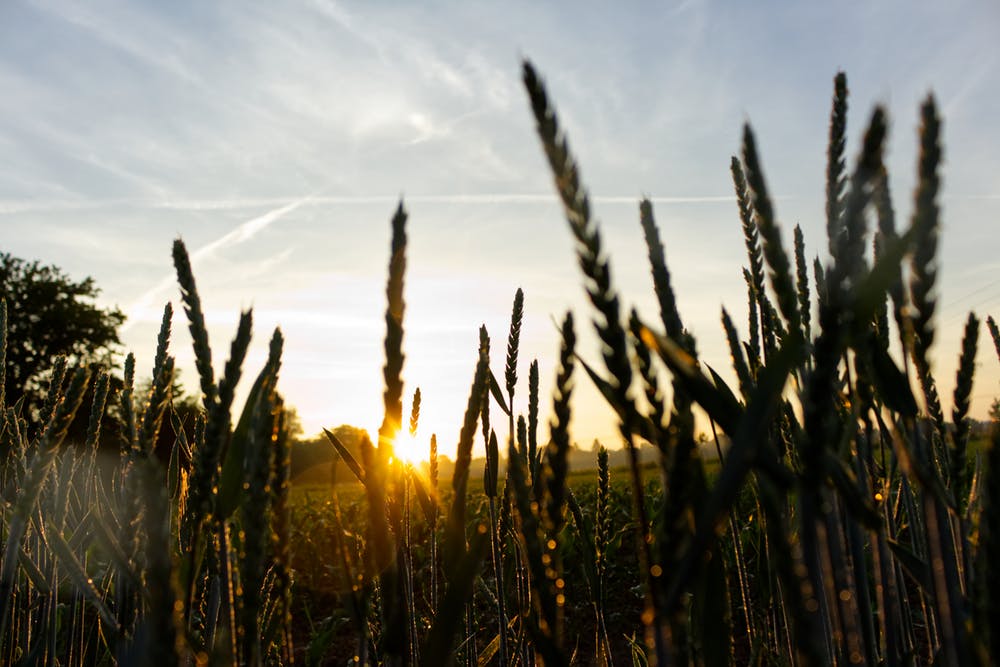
(802, 283)
(661, 275)
(599, 288)
(960, 411)
(774, 252)
(836, 179)
(48, 444)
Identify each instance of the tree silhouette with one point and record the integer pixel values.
(49, 314)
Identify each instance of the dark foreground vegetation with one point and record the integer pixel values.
(848, 521)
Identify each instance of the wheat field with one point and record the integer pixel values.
(847, 519)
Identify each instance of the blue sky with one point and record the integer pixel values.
(276, 139)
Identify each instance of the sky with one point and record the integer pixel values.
(276, 140)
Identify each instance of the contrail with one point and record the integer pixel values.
(242, 233)
(11, 208)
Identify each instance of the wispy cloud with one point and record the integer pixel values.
(240, 234)
(134, 42)
(209, 119)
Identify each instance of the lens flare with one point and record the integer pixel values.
(409, 449)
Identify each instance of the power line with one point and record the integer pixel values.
(955, 303)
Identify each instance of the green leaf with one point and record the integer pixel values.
(488, 652)
(890, 384)
(721, 385)
(351, 462)
(426, 499)
(498, 394)
(79, 576)
(107, 539)
(83, 532)
(232, 477)
(720, 405)
(642, 425)
(35, 575)
(915, 566)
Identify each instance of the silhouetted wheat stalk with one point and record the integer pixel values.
(609, 327)
(824, 588)
(848, 520)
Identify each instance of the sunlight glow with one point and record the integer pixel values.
(410, 449)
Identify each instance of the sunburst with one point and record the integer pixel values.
(410, 449)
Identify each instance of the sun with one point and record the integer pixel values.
(410, 449)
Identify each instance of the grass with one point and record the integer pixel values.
(844, 522)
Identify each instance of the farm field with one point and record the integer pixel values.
(850, 518)
(320, 584)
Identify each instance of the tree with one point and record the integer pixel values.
(995, 410)
(292, 423)
(49, 314)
